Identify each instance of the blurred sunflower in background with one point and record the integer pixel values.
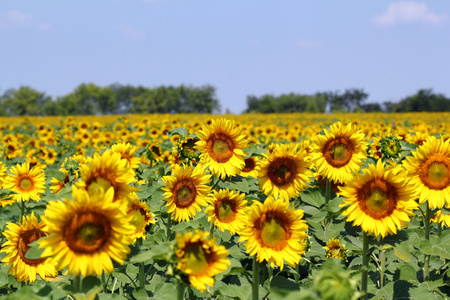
(334, 249)
(274, 232)
(380, 200)
(284, 172)
(86, 234)
(340, 152)
(141, 217)
(221, 147)
(25, 182)
(186, 191)
(200, 258)
(227, 210)
(429, 171)
(19, 236)
(250, 167)
(127, 152)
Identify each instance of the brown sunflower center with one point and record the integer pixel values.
(197, 260)
(184, 193)
(274, 231)
(435, 172)
(377, 198)
(250, 165)
(87, 232)
(220, 147)
(281, 171)
(338, 152)
(26, 238)
(225, 210)
(25, 183)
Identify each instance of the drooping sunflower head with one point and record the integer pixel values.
(429, 171)
(284, 172)
(227, 210)
(186, 191)
(335, 249)
(379, 200)
(200, 258)
(275, 232)
(87, 233)
(19, 236)
(141, 217)
(25, 182)
(105, 171)
(186, 148)
(340, 152)
(221, 147)
(154, 152)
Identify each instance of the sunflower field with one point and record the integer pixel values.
(278, 206)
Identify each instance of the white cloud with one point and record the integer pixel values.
(17, 19)
(303, 43)
(130, 32)
(408, 12)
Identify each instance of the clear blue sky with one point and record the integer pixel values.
(253, 47)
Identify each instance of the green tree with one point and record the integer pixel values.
(24, 101)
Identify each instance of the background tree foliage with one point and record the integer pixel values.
(90, 99)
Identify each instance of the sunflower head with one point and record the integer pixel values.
(335, 249)
(221, 147)
(18, 239)
(200, 258)
(28, 183)
(390, 146)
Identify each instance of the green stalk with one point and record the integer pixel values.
(297, 274)
(365, 254)
(211, 230)
(327, 191)
(77, 283)
(255, 279)
(382, 267)
(169, 223)
(141, 268)
(103, 282)
(22, 211)
(426, 221)
(180, 290)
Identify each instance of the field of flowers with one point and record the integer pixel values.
(291, 206)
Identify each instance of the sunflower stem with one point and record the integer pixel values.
(439, 229)
(140, 242)
(270, 271)
(365, 258)
(211, 230)
(426, 222)
(22, 210)
(169, 223)
(77, 283)
(327, 190)
(180, 290)
(104, 282)
(255, 279)
(297, 274)
(382, 267)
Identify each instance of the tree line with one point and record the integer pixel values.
(90, 99)
(351, 100)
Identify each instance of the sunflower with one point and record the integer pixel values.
(441, 217)
(19, 236)
(221, 146)
(284, 172)
(2, 174)
(200, 258)
(86, 233)
(250, 167)
(335, 249)
(339, 152)
(127, 152)
(274, 232)
(141, 217)
(106, 170)
(429, 171)
(186, 191)
(25, 182)
(380, 200)
(227, 210)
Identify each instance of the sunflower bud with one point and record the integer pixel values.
(390, 146)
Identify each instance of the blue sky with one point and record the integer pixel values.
(253, 47)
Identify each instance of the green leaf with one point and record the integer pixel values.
(403, 251)
(437, 246)
(313, 197)
(34, 252)
(181, 131)
(156, 252)
(56, 174)
(406, 272)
